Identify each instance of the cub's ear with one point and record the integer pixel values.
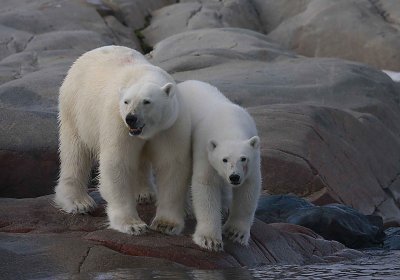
(168, 89)
(212, 144)
(254, 142)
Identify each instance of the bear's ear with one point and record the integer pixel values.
(168, 89)
(254, 142)
(212, 144)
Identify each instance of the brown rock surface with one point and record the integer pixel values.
(33, 232)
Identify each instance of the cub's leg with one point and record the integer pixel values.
(241, 215)
(206, 199)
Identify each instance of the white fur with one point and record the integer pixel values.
(222, 131)
(101, 88)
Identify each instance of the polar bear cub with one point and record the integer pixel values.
(113, 104)
(226, 162)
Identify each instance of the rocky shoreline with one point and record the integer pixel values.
(329, 123)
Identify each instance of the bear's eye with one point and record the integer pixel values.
(126, 102)
(243, 159)
(225, 160)
(146, 102)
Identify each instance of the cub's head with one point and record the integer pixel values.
(234, 160)
(148, 108)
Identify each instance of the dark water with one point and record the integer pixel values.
(376, 265)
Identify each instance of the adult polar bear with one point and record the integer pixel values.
(226, 163)
(110, 94)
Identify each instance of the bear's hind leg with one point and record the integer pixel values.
(145, 189)
(71, 191)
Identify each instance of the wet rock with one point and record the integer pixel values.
(332, 222)
(58, 243)
(392, 241)
(277, 208)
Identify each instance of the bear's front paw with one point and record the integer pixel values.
(209, 243)
(79, 204)
(166, 227)
(146, 198)
(134, 228)
(236, 235)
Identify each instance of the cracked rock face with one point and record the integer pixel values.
(360, 30)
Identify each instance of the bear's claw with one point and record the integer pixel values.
(209, 243)
(81, 205)
(166, 227)
(236, 235)
(132, 228)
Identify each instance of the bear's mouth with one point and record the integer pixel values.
(135, 131)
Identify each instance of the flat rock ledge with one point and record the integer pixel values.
(47, 241)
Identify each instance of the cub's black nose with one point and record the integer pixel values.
(131, 120)
(234, 178)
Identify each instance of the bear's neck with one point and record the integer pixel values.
(172, 111)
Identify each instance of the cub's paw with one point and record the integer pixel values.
(236, 235)
(146, 198)
(209, 243)
(133, 228)
(166, 227)
(78, 204)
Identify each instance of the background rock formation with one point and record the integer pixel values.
(330, 128)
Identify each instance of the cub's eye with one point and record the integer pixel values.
(146, 102)
(225, 160)
(126, 102)
(243, 159)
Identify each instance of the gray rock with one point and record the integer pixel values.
(67, 39)
(389, 10)
(392, 242)
(12, 40)
(134, 13)
(200, 49)
(272, 13)
(194, 15)
(323, 30)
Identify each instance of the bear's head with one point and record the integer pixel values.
(148, 108)
(234, 160)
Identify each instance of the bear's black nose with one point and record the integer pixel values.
(131, 120)
(234, 178)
